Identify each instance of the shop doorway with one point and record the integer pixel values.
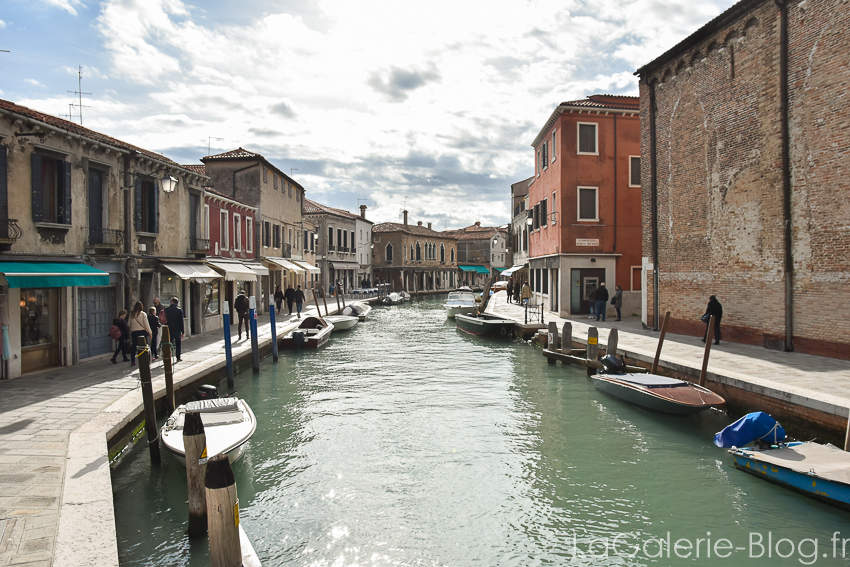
(583, 285)
(95, 312)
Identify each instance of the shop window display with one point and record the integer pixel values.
(38, 317)
(211, 298)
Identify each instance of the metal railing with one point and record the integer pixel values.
(106, 236)
(200, 244)
(9, 231)
(331, 248)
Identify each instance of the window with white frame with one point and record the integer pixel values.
(554, 146)
(588, 138)
(634, 171)
(554, 207)
(224, 240)
(588, 204)
(249, 234)
(237, 232)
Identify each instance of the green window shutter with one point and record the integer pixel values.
(65, 218)
(155, 212)
(37, 189)
(138, 205)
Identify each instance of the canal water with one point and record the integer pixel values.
(407, 442)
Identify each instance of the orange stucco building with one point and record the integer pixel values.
(584, 204)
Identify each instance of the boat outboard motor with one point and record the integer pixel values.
(207, 392)
(613, 365)
(298, 338)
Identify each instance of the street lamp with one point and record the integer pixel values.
(530, 219)
(169, 183)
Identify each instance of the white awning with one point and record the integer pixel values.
(197, 272)
(235, 271)
(258, 269)
(286, 265)
(512, 269)
(308, 266)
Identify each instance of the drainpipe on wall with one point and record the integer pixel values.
(786, 173)
(653, 184)
(615, 188)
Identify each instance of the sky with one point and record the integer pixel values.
(430, 106)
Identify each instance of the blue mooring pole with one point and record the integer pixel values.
(228, 351)
(274, 330)
(255, 346)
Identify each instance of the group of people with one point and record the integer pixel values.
(146, 324)
(290, 296)
(598, 300)
(518, 293)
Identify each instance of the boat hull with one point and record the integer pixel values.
(452, 312)
(484, 327)
(234, 454)
(644, 398)
(342, 322)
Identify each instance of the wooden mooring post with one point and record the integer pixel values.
(273, 327)
(613, 339)
(255, 344)
(143, 356)
(660, 343)
(195, 447)
(168, 368)
(566, 338)
(222, 513)
(552, 340)
(228, 347)
(592, 349)
(708, 339)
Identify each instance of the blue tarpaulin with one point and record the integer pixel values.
(756, 425)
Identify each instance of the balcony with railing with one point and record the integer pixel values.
(105, 237)
(331, 248)
(9, 231)
(199, 245)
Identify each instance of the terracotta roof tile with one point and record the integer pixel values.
(238, 153)
(410, 229)
(314, 208)
(75, 128)
(200, 169)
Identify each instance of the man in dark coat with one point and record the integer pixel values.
(601, 301)
(121, 323)
(510, 289)
(289, 296)
(240, 305)
(174, 315)
(713, 308)
(298, 295)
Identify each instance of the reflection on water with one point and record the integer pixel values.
(406, 442)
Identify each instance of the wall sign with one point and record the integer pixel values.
(587, 242)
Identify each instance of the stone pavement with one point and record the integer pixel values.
(810, 381)
(43, 414)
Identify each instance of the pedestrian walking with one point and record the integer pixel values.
(617, 301)
(713, 308)
(153, 321)
(139, 327)
(289, 295)
(516, 292)
(159, 308)
(278, 299)
(174, 316)
(601, 301)
(510, 289)
(590, 297)
(525, 294)
(240, 304)
(298, 296)
(124, 330)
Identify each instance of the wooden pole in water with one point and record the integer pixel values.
(552, 340)
(660, 343)
(567, 338)
(336, 295)
(168, 367)
(847, 436)
(255, 345)
(592, 348)
(228, 347)
(144, 359)
(613, 339)
(222, 513)
(195, 446)
(273, 327)
(708, 340)
(316, 301)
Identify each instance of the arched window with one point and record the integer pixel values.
(442, 253)
(389, 252)
(411, 252)
(418, 251)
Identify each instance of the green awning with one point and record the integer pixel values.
(500, 270)
(477, 269)
(51, 274)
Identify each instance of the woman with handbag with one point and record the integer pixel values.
(617, 301)
(139, 327)
(122, 337)
(713, 308)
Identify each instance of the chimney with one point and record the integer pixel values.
(419, 223)
(362, 211)
(477, 223)
(405, 217)
(429, 226)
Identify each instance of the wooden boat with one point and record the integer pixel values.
(485, 324)
(228, 424)
(461, 301)
(657, 393)
(313, 332)
(819, 471)
(355, 308)
(341, 322)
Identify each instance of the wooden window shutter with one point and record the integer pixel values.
(66, 201)
(155, 212)
(138, 205)
(37, 189)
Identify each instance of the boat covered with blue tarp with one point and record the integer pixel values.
(752, 427)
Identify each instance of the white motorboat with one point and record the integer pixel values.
(313, 332)
(393, 299)
(341, 322)
(228, 425)
(355, 308)
(461, 301)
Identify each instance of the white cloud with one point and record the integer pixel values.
(33, 82)
(67, 5)
(2, 24)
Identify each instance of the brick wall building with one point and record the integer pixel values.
(744, 194)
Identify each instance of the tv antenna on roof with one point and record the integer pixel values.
(80, 93)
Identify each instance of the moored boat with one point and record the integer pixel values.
(228, 425)
(393, 299)
(342, 322)
(461, 301)
(360, 310)
(485, 324)
(653, 392)
(313, 332)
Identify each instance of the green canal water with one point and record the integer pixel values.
(407, 442)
